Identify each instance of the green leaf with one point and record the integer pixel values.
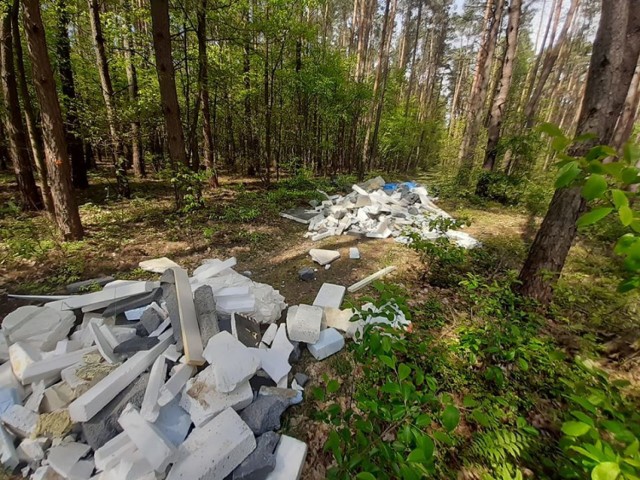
(619, 198)
(575, 429)
(404, 371)
(333, 386)
(522, 363)
(427, 446)
(423, 420)
(417, 456)
(629, 175)
(365, 476)
(567, 174)
(626, 215)
(593, 216)
(594, 187)
(450, 417)
(481, 418)
(550, 129)
(469, 402)
(606, 471)
(600, 151)
(388, 361)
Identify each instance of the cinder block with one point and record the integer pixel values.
(232, 362)
(304, 325)
(330, 342)
(203, 402)
(151, 443)
(330, 295)
(290, 456)
(215, 450)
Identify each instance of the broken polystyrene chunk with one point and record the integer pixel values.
(274, 362)
(304, 325)
(270, 334)
(40, 327)
(188, 320)
(94, 301)
(290, 456)
(203, 402)
(212, 268)
(51, 367)
(330, 342)
(233, 363)
(94, 400)
(215, 450)
(66, 460)
(150, 408)
(280, 341)
(323, 257)
(151, 443)
(111, 452)
(157, 265)
(173, 386)
(330, 295)
(8, 454)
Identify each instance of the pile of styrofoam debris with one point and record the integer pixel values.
(183, 378)
(375, 209)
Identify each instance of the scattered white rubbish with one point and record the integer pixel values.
(366, 281)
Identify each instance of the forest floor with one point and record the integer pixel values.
(241, 219)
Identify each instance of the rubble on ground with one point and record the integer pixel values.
(376, 209)
(191, 386)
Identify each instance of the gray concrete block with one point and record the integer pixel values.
(301, 378)
(171, 300)
(264, 414)
(150, 320)
(129, 303)
(262, 461)
(206, 312)
(136, 344)
(307, 274)
(104, 425)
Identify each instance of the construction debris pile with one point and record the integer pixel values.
(183, 378)
(376, 209)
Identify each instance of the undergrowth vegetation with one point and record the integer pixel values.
(481, 387)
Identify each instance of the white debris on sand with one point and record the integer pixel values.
(376, 209)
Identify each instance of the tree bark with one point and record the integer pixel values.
(167, 81)
(33, 130)
(108, 95)
(203, 65)
(137, 158)
(615, 55)
(29, 196)
(627, 119)
(496, 113)
(58, 168)
(74, 143)
(478, 95)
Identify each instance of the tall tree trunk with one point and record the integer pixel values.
(624, 127)
(412, 74)
(547, 65)
(107, 93)
(496, 113)
(616, 52)
(203, 65)
(74, 144)
(137, 159)
(17, 140)
(33, 130)
(58, 168)
(403, 56)
(373, 122)
(493, 16)
(167, 81)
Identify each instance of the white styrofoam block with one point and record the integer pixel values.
(290, 456)
(188, 320)
(150, 408)
(281, 341)
(103, 343)
(215, 450)
(65, 459)
(212, 268)
(20, 420)
(174, 422)
(172, 353)
(151, 443)
(240, 290)
(21, 355)
(98, 396)
(96, 300)
(40, 326)
(157, 265)
(233, 363)
(330, 295)
(51, 367)
(131, 466)
(111, 452)
(203, 402)
(330, 342)
(175, 383)
(8, 454)
(305, 325)
(32, 450)
(274, 362)
(56, 397)
(323, 257)
(270, 334)
(135, 314)
(9, 380)
(354, 253)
